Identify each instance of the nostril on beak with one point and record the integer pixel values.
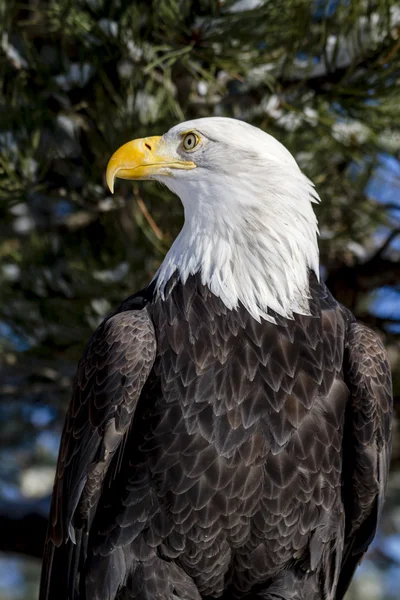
(148, 146)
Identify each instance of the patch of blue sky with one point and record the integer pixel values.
(371, 101)
(42, 415)
(25, 409)
(384, 185)
(11, 459)
(303, 56)
(386, 305)
(327, 8)
(381, 235)
(392, 578)
(16, 409)
(48, 442)
(391, 547)
(17, 341)
(63, 208)
(9, 491)
(11, 579)
(337, 108)
(393, 328)
(364, 567)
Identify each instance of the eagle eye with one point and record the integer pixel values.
(190, 141)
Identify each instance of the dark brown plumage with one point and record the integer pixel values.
(208, 455)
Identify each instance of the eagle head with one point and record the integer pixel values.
(250, 229)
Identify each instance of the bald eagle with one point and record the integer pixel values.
(229, 432)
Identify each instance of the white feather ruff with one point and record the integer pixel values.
(250, 229)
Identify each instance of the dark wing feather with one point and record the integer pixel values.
(367, 444)
(108, 384)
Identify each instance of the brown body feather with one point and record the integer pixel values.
(206, 454)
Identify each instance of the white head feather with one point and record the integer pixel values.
(250, 229)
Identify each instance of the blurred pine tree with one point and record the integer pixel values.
(81, 77)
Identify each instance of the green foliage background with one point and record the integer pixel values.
(81, 77)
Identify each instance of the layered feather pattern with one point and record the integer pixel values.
(233, 477)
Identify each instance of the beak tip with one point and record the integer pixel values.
(110, 178)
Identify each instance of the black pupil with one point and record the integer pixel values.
(190, 140)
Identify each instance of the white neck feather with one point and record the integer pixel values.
(252, 241)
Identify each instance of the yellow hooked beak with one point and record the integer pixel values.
(142, 158)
